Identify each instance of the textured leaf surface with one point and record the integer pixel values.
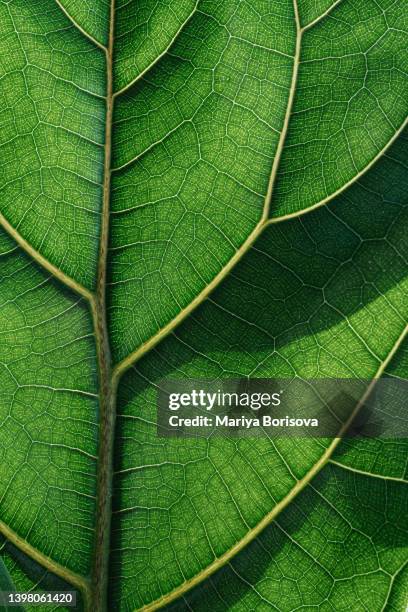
(32, 577)
(6, 584)
(49, 412)
(238, 168)
(341, 545)
(326, 269)
(296, 562)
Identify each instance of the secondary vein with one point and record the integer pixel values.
(76, 580)
(43, 262)
(79, 27)
(359, 175)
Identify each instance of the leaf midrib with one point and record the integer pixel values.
(107, 383)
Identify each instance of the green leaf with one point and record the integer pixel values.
(6, 584)
(31, 577)
(323, 551)
(335, 309)
(342, 544)
(199, 189)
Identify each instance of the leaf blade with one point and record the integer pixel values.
(321, 287)
(48, 391)
(197, 142)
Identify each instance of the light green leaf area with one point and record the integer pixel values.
(144, 32)
(52, 134)
(189, 185)
(199, 189)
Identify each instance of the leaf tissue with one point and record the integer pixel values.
(199, 189)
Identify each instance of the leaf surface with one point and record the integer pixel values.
(198, 189)
(316, 292)
(6, 584)
(342, 544)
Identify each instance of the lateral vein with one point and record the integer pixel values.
(288, 113)
(322, 16)
(80, 28)
(359, 175)
(121, 367)
(78, 581)
(348, 468)
(43, 262)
